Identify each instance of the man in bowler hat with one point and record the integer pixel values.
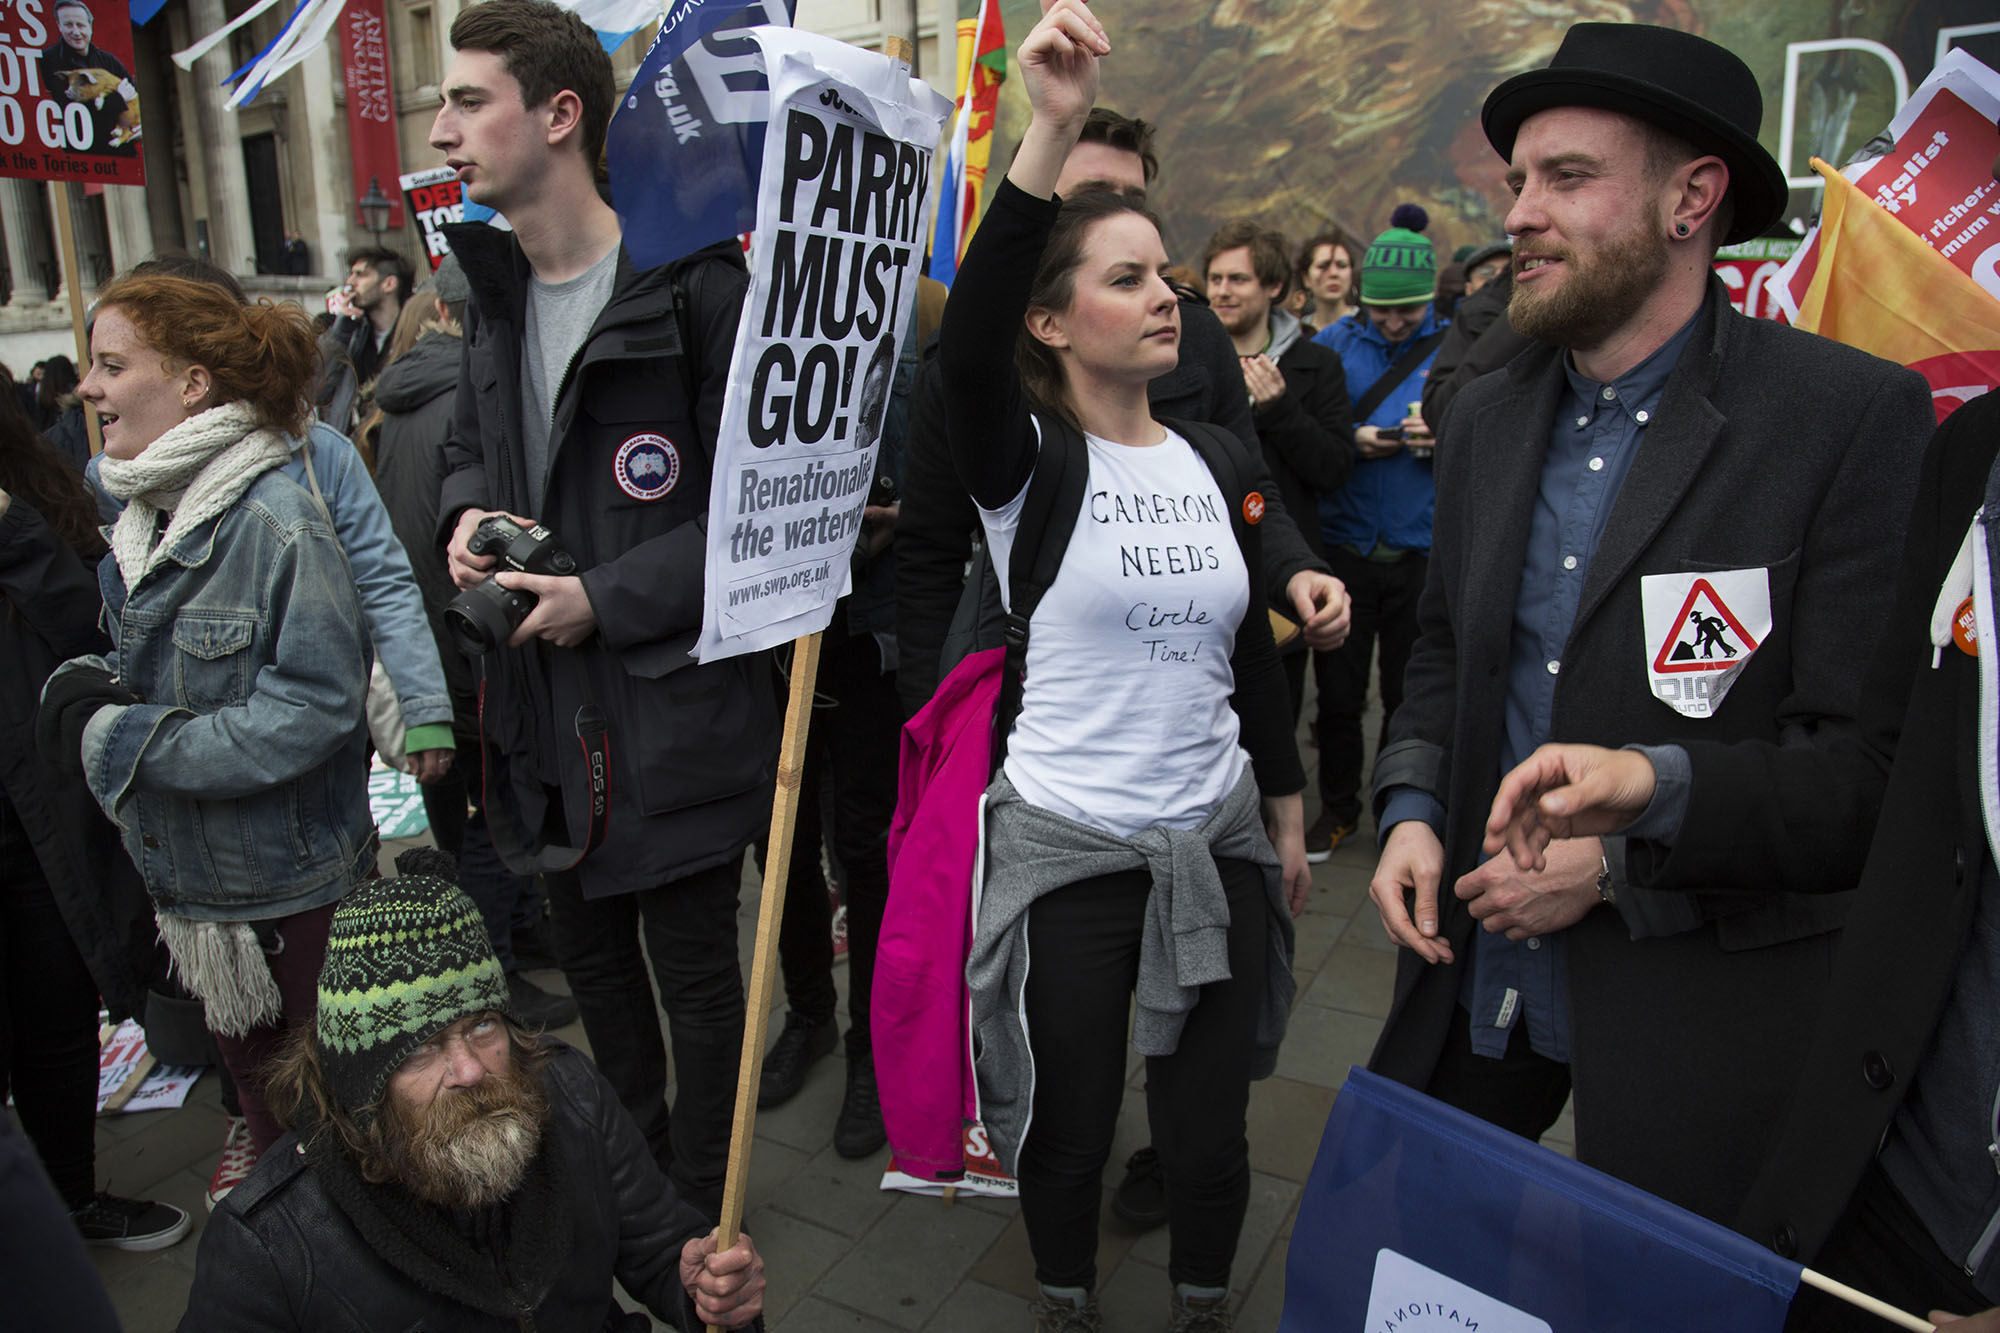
(1654, 449)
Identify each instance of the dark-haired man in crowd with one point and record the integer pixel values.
(589, 402)
(446, 1169)
(367, 306)
(1298, 392)
(1657, 472)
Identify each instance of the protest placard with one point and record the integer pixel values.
(436, 200)
(68, 107)
(843, 213)
(1932, 169)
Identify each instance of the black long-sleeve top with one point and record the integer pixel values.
(994, 446)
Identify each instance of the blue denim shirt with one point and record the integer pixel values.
(1597, 432)
(241, 783)
(390, 602)
(1388, 500)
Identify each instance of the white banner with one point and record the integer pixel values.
(843, 215)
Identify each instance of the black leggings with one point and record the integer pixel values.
(1083, 951)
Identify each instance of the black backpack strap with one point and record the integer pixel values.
(1048, 517)
(1396, 375)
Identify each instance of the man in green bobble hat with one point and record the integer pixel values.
(447, 1168)
(1378, 526)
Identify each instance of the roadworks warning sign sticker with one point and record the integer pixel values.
(1701, 631)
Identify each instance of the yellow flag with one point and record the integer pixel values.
(1879, 287)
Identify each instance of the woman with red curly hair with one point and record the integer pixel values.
(223, 731)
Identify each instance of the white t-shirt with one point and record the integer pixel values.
(1125, 720)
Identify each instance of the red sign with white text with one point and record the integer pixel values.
(68, 108)
(371, 106)
(436, 199)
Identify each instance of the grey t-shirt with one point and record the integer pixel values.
(559, 318)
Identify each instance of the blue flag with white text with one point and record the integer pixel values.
(687, 141)
(1419, 1216)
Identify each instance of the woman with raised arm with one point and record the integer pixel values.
(1129, 837)
(223, 732)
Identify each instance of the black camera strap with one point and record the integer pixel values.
(515, 849)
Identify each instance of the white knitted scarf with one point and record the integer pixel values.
(191, 473)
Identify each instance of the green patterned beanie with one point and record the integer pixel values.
(405, 959)
(1400, 268)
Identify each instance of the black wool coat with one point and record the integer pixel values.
(1770, 449)
(1913, 913)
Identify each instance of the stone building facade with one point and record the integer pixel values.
(233, 186)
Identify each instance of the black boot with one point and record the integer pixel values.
(858, 1132)
(536, 1007)
(801, 1043)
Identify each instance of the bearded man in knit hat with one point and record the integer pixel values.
(446, 1168)
(1377, 528)
(1656, 462)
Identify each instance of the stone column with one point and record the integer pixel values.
(130, 225)
(227, 191)
(320, 114)
(25, 217)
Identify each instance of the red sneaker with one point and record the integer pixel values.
(237, 1159)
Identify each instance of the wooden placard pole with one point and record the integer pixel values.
(770, 911)
(66, 248)
(771, 902)
(1860, 1300)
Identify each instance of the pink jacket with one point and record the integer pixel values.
(923, 1053)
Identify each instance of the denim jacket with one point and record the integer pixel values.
(241, 782)
(391, 606)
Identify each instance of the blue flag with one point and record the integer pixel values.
(1418, 1217)
(687, 141)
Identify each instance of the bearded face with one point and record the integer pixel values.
(469, 1147)
(1604, 287)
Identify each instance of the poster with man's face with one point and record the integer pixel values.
(69, 109)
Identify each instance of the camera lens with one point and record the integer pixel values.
(486, 615)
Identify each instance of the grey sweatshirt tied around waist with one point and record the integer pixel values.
(1185, 946)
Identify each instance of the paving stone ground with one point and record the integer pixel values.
(841, 1253)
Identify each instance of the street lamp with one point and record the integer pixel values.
(375, 208)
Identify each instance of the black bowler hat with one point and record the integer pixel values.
(1684, 84)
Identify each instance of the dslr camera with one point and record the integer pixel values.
(486, 615)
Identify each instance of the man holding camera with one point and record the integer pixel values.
(589, 401)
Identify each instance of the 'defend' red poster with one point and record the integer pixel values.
(68, 108)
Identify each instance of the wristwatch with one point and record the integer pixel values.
(1605, 892)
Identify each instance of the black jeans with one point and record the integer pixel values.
(1083, 941)
(853, 744)
(1385, 607)
(455, 804)
(1523, 1091)
(1882, 1247)
(48, 1020)
(689, 926)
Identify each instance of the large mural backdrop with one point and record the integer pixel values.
(1299, 113)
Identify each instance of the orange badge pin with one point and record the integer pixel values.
(1253, 507)
(1965, 629)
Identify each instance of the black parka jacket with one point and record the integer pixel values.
(49, 606)
(692, 746)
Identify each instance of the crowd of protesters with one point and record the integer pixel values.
(1460, 485)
